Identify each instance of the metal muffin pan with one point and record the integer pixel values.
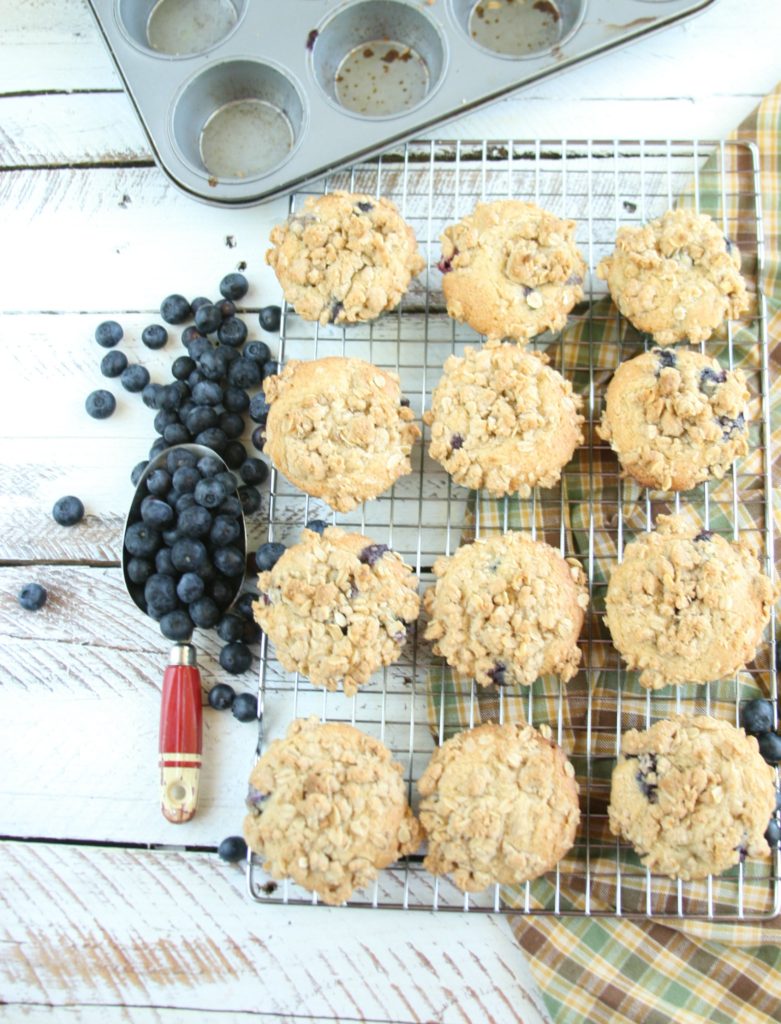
(244, 100)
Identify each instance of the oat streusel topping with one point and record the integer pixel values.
(511, 270)
(500, 804)
(337, 429)
(501, 419)
(328, 808)
(345, 257)
(677, 277)
(687, 606)
(337, 607)
(506, 610)
(675, 418)
(693, 795)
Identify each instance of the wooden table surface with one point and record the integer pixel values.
(108, 912)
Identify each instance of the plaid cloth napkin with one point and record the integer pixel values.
(609, 970)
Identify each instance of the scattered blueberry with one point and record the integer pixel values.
(235, 399)
(372, 554)
(158, 447)
(270, 318)
(258, 438)
(234, 454)
(250, 499)
(152, 395)
(231, 506)
(108, 334)
(164, 418)
(209, 465)
(267, 556)
(154, 336)
(175, 309)
(213, 438)
(244, 373)
(69, 510)
(230, 628)
(227, 308)
(497, 673)
(113, 363)
(100, 404)
(252, 632)
(773, 833)
(253, 471)
(317, 525)
(234, 286)
(770, 747)
(270, 368)
(231, 424)
(179, 457)
(259, 408)
(244, 605)
(245, 706)
(208, 318)
(176, 625)
(199, 346)
(135, 378)
(257, 350)
(205, 613)
(32, 597)
(756, 716)
(225, 530)
(182, 367)
(222, 593)
(201, 418)
(201, 300)
(232, 849)
(213, 365)
(190, 587)
(232, 332)
(221, 696)
(229, 561)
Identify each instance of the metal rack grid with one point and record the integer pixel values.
(600, 185)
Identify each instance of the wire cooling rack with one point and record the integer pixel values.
(601, 186)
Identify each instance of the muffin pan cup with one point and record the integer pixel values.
(243, 101)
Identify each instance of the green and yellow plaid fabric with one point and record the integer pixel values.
(606, 969)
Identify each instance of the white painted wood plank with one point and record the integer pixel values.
(108, 1014)
(78, 927)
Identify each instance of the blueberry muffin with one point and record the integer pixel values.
(677, 277)
(506, 610)
(328, 808)
(500, 804)
(501, 419)
(687, 606)
(511, 270)
(692, 795)
(339, 429)
(336, 607)
(675, 419)
(344, 257)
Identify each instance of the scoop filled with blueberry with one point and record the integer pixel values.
(184, 554)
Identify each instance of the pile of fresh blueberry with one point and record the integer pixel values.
(756, 717)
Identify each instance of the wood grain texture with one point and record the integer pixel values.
(113, 1014)
(77, 928)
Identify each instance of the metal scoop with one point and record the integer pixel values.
(180, 712)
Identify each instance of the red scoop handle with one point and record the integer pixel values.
(181, 736)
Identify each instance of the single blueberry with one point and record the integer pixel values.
(244, 605)
(69, 510)
(176, 433)
(227, 308)
(230, 628)
(270, 368)
(497, 673)
(225, 530)
(175, 309)
(259, 408)
(204, 612)
(189, 555)
(135, 378)
(756, 716)
(213, 438)
(730, 425)
(234, 454)
(213, 365)
(221, 697)
(250, 499)
(647, 767)
(704, 535)
(252, 632)
(210, 492)
(186, 479)
(208, 392)
(154, 336)
(404, 402)
(665, 359)
(253, 471)
(234, 286)
(195, 521)
(208, 318)
(270, 317)
(152, 396)
(198, 347)
(317, 526)
(267, 556)
(365, 207)
(158, 447)
(773, 833)
(160, 593)
(100, 404)
(373, 553)
(232, 331)
(209, 465)
(108, 334)
(229, 561)
(164, 563)
(179, 457)
(182, 367)
(164, 418)
(232, 849)
(156, 513)
(770, 747)
(32, 597)
(170, 537)
(199, 301)
(176, 625)
(257, 350)
(190, 587)
(185, 409)
(231, 506)
(231, 424)
(337, 307)
(245, 706)
(222, 592)
(456, 442)
(202, 417)
(258, 438)
(113, 364)
(235, 399)
(710, 379)
(139, 569)
(244, 373)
